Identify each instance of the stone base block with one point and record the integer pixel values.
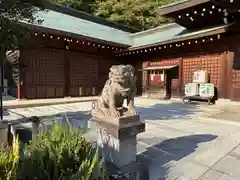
(117, 138)
(116, 151)
(122, 128)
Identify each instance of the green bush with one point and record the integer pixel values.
(9, 161)
(61, 154)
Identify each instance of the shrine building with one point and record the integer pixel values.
(73, 51)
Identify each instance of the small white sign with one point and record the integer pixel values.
(152, 77)
(200, 76)
(162, 77)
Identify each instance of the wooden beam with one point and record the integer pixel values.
(164, 10)
(180, 76)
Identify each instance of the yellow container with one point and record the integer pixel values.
(80, 91)
(93, 91)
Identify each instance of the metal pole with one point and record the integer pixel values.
(1, 88)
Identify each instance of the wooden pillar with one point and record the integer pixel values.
(66, 72)
(166, 91)
(21, 82)
(229, 76)
(145, 78)
(99, 80)
(145, 81)
(180, 76)
(19, 89)
(225, 75)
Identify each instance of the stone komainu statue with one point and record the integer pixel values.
(121, 85)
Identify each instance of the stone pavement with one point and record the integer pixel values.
(177, 145)
(11, 103)
(230, 114)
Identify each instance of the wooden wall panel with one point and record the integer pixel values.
(47, 42)
(54, 73)
(83, 74)
(43, 73)
(235, 75)
(104, 66)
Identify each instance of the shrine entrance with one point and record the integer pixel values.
(172, 89)
(162, 82)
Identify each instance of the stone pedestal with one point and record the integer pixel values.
(117, 139)
(118, 152)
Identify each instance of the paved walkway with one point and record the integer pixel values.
(177, 145)
(230, 114)
(10, 103)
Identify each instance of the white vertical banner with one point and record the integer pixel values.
(162, 75)
(152, 77)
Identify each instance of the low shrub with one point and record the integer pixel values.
(9, 161)
(61, 154)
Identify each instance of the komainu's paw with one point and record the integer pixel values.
(115, 113)
(131, 109)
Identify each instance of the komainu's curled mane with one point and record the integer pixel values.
(121, 85)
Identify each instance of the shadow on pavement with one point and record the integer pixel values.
(169, 111)
(157, 160)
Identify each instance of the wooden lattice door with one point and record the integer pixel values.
(83, 74)
(211, 63)
(43, 73)
(104, 67)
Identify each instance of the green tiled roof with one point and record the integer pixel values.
(170, 33)
(67, 23)
(158, 34)
(174, 3)
(162, 34)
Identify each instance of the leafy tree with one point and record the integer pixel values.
(13, 34)
(11, 13)
(76, 4)
(139, 13)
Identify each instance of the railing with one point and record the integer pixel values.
(35, 124)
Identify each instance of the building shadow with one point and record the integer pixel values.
(156, 162)
(169, 111)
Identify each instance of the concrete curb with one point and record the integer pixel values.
(46, 103)
(180, 103)
(222, 121)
